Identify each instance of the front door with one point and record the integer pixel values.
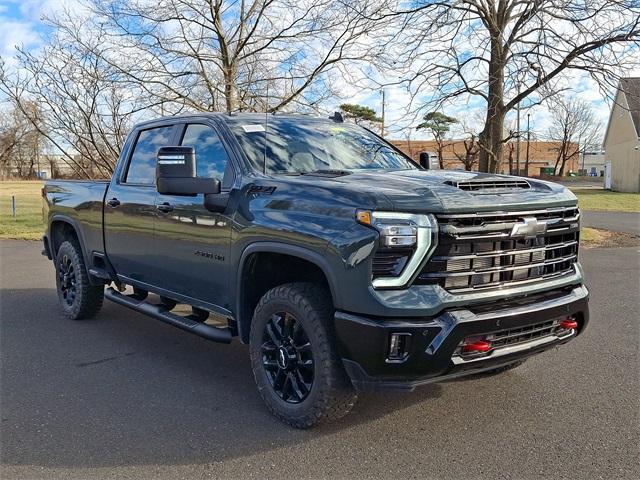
(192, 244)
(130, 212)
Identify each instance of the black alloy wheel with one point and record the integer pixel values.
(287, 357)
(294, 358)
(78, 297)
(67, 278)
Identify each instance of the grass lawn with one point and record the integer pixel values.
(28, 223)
(596, 199)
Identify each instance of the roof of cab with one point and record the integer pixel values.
(240, 116)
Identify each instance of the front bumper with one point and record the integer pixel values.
(364, 341)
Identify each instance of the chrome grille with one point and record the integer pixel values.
(494, 250)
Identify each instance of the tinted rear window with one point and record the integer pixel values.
(142, 166)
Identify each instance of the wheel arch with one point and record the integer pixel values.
(316, 267)
(60, 228)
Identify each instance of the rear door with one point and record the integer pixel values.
(129, 213)
(192, 244)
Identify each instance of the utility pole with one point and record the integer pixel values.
(518, 137)
(382, 126)
(526, 162)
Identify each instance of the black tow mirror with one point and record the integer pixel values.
(176, 173)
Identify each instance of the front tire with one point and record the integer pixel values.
(294, 359)
(78, 298)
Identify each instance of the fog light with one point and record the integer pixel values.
(398, 347)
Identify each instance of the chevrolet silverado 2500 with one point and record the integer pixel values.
(342, 264)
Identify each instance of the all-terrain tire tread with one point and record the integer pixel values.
(90, 297)
(337, 396)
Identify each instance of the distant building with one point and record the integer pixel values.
(592, 163)
(542, 155)
(622, 138)
(44, 167)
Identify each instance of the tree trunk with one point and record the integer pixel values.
(230, 91)
(491, 141)
(510, 162)
(491, 137)
(562, 164)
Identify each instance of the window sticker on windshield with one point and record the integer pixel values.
(253, 128)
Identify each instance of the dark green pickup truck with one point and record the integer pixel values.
(339, 261)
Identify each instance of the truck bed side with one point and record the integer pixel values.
(78, 204)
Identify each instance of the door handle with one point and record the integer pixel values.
(165, 207)
(114, 202)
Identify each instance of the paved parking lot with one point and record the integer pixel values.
(124, 396)
(626, 222)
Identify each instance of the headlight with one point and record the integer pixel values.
(405, 241)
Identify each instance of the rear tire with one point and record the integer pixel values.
(78, 298)
(297, 369)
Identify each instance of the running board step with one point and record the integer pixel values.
(99, 273)
(215, 334)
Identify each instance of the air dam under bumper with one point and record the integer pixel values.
(364, 342)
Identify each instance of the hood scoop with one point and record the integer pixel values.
(489, 185)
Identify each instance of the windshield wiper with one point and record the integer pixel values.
(328, 172)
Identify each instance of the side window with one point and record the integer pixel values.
(142, 166)
(211, 158)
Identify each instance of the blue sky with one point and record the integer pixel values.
(21, 24)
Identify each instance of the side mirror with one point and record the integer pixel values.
(424, 160)
(176, 173)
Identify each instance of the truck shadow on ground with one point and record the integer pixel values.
(123, 389)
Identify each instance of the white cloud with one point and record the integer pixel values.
(16, 33)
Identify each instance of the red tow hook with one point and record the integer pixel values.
(479, 346)
(569, 324)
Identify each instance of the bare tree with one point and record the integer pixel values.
(506, 52)
(573, 124)
(83, 111)
(254, 55)
(21, 144)
(469, 158)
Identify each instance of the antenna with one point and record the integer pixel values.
(266, 128)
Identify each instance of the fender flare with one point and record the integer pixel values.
(286, 249)
(76, 228)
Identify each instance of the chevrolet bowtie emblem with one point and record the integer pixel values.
(530, 227)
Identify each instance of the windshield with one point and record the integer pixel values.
(300, 145)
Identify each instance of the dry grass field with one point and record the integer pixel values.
(28, 223)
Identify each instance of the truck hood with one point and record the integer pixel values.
(449, 191)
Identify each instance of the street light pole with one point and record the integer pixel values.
(382, 126)
(526, 162)
(518, 137)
